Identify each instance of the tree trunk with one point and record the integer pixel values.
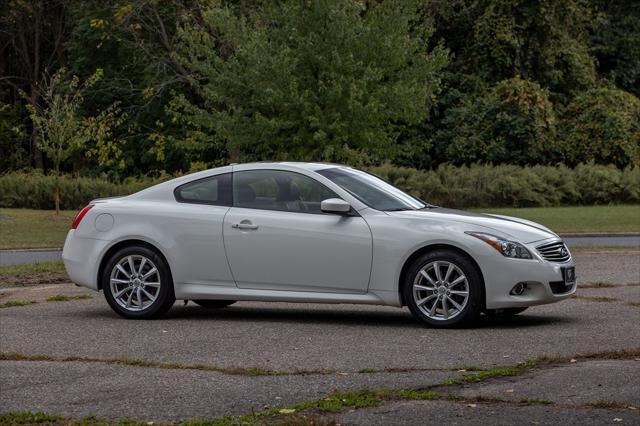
(57, 198)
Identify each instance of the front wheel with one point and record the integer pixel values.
(137, 283)
(444, 289)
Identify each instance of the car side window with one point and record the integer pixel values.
(214, 190)
(279, 190)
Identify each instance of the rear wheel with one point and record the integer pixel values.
(443, 289)
(214, 304)
(137, 283)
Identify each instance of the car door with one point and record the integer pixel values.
(277, 238)
(195, 229)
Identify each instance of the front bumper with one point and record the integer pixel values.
(544, 279)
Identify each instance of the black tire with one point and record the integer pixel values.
(214, 304)
(165, 297)
(504, 313)
(475, 302)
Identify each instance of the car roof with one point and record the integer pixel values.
(277, 164)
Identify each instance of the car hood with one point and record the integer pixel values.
(521, 229)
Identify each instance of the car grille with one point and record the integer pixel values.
(560, 287)
(555, 251)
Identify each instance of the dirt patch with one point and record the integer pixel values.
(31, 279)
(40, 293)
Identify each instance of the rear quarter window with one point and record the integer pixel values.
(214, 190)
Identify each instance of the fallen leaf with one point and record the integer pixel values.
(617, 419)
(472, 405)
(573, 360)
(509, 390)
(287, 411)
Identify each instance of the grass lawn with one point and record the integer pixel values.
(579, 219)
(24, 228)
(31, 268)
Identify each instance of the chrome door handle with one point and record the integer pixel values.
(244, 226)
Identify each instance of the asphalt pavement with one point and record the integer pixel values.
(310, 350)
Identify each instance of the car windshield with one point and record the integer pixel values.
(371, 190)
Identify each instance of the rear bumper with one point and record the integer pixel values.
(81, 257)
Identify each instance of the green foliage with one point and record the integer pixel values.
(450, 186)
(513, 122)
(62, 128)
(327, 80)
(513, 186)
(57, 119)
(603, 125)
(190, 85)
(615, 42)
(544, 41)
(33, 190)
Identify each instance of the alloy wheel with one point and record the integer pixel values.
(441, 290)
(135, 282)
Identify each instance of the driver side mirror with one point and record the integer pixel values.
(335, 205)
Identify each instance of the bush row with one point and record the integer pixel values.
(36, 191)
(461, 187)
(516, 186)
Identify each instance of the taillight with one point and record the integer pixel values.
(80, 215)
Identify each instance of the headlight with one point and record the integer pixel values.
(506, 248)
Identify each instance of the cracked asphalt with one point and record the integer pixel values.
(339, 341)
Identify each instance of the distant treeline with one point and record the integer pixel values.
(132, 88)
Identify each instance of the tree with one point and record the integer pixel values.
(32, 37)
(512, 122)
(328, 80)
(602, 125)
(61, 127)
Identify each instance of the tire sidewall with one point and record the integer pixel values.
(474, 279)
(165, 299)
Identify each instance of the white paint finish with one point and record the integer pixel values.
(298, 251)
(104, 222)
(301, 256)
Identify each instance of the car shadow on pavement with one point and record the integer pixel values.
(370, 318)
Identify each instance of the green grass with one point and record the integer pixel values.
(24, 228)
(30, 268)
(621, 218)
(12, 303)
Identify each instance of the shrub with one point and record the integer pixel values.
(448, 185)
(514, 186)
(36, 191)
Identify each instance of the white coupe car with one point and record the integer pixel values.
(309, 232)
